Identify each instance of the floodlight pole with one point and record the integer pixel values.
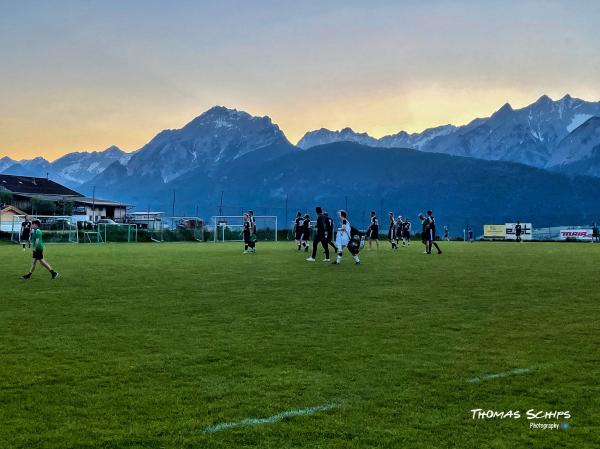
(221, 203)
(173, 212)
(286, 208)
(93, 204)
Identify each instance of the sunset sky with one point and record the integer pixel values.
(84, 75)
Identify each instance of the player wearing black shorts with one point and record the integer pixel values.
(432, 232)
(249, 237)
(306, 232)
(298, 229)
(425, 235)
(392, 231)
(518, 231)
(406, 232)
(321, 236)
(374, 230)
(253, 236)
(329, 226)
(38, 251)
(25, 234)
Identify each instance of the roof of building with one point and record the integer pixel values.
(34, 186)
(98, 202)
(13, 209)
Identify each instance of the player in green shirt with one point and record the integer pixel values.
(38, 251)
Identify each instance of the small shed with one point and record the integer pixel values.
(7, 217)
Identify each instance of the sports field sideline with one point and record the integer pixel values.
(201, 346)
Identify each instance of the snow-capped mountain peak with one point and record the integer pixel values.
(6, 162)
(213, 138)
(324, 136)
(72, 169)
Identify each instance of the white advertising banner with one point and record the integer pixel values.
(578, 234)
(526, 231)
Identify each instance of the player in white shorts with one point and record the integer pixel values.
(342, 238)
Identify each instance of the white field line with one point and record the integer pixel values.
(514, 372)
(271, 419)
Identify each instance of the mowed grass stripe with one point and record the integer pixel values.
(142, 345)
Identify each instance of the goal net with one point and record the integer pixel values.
(118, 232)
(230, 228)
(55, 228)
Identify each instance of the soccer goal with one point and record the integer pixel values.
(55, 228)
(118, 232)
(230, 228)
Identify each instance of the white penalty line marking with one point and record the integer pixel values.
(514, 372)
(271, 419)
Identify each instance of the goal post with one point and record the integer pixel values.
(118, 232)
(55, 228)
(229, 228)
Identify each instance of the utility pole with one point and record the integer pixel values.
(173, 212)
(221, 203)
(286, 209)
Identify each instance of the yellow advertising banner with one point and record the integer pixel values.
(494, 231)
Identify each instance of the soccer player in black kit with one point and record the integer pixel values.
(392, 231)
(329, 227)
(249, 235)
(405, 232)
(518, 231)
(253, 236)
(25, 234)
(374, 230)
(306, 232)
(321, 236)
(431, 219)
(298, 229)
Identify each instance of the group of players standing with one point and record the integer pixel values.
(398, 232)
(345, 236)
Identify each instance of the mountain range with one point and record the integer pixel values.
(536, 135)
(72, 169)
(516, 164)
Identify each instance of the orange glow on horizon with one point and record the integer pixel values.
(53, 136)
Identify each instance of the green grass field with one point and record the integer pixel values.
(147, 345)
